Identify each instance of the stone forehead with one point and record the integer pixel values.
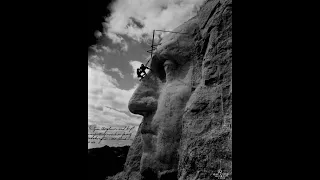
(186, 27)
(174, 43)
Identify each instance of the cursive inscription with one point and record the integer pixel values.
(99, 134)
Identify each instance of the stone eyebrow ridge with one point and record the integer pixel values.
(159, 59)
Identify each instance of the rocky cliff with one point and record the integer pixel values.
(206, 132)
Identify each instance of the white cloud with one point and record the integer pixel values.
(97, 34)
(117, 71)
(135, 65)
(95, 48)
(111, 117)
(98, 49)
(98, 79)
(123, 116)
(117, 98)
(138, 18)
(109, 50)
(124, 46)
(117, 39)
(114, 37)
(95, 59)
(103, 92)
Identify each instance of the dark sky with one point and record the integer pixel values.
(97, 10)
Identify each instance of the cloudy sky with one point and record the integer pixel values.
(119, 35)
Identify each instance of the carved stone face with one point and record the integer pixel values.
(161, 99)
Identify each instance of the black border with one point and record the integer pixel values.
(46, 60)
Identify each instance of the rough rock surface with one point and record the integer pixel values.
(201, 140)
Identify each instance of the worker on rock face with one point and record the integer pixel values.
(141, 70)
(139, 73)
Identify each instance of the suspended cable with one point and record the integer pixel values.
(154, 46)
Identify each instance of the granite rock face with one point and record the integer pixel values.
(186, 132)
(206, 143)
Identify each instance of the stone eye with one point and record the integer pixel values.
(168, 66)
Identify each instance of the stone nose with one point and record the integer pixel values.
(145, 98)
(142, 105)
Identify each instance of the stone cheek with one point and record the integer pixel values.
(168, 119)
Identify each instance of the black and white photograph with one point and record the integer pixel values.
(159, 89)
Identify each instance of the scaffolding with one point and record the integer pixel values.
(154, 46)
